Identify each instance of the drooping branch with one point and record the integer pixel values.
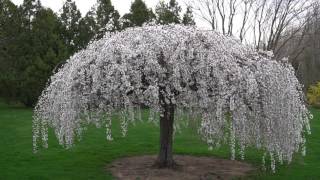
(176, 67)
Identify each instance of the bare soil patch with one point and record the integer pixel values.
(189, 168)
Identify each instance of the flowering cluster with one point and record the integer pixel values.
(242, 97)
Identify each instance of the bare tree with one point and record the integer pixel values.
(206, 10)
(304, 48)
(267, 20)
(285, 15)
(220, 14)
(248, 4)
(232, 12)
(259, 20)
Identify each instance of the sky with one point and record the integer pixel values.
(122, 6)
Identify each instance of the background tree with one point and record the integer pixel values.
(46, 50)
(10, 29)
(18, 48)
(188, 17)
(276, 18)
(32, 46)
(88, 28)
(107, 17)
(34, 40)
(234, 91)
(168, 13)
(268, 20)
(220, 14)
(306, 59)
(29, 8)
(70, 19)
(139, 14)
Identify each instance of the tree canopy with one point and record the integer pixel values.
(240, 96)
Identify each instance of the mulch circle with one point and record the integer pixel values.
(189, 168)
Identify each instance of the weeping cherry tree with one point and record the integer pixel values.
(239, 96)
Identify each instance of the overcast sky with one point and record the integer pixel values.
(122, 6)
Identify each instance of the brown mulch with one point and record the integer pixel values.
(189, 168)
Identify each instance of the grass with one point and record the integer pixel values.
(89, 157)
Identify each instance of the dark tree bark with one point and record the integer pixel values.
(165, 157)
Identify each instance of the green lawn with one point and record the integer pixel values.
(87, 160)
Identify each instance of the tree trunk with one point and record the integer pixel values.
(165, 157)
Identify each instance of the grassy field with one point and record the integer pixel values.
(88, 159)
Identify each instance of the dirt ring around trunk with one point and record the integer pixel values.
(189, 168)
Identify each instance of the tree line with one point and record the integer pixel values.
(34, 39)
